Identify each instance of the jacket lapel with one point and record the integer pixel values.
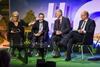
(87, 25)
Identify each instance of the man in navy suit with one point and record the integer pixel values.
(61, 28)
(86, 28)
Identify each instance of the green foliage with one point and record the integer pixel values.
(29, 16)
(27, 43)
(2, 22)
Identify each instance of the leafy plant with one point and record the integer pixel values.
(29, 16)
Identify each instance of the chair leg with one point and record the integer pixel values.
(82, 52)
(90, 51)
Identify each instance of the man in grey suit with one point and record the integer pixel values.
(61, 28)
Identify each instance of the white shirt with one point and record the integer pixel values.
(60, 19)
(40, 26)
(84, 23)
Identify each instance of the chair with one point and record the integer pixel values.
(81, 46)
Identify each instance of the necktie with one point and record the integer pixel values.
(83, 24)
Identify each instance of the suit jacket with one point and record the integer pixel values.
(65, 26)
(35, 28)
(89, 28)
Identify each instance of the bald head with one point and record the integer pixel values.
(84, 15)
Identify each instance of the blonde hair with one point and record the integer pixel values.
(15, 13)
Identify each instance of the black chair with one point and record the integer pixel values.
(81, 47)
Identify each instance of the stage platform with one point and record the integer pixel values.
(60, 62)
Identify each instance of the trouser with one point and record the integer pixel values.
(37, 43)
(16, 43)
(70, 39)
(55, 42)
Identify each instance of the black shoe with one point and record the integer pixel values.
(56, 56)
(19, 57)
(30, 54)
(67, 59)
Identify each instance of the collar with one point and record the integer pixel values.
(85, 20)
(41, 21)
(61, 18)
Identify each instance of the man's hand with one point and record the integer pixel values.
(38, 34)
(31, 23)
(58, 32)
(81, 31)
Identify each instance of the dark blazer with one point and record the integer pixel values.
(35, 28)
(89, 28)
(20, 26)
(65, 26)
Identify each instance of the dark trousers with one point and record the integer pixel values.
(55, 43)
(37, 41)
(18, 47)
(16, 43)
(38, 38)
(70, 39)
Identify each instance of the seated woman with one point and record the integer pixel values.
(16, 32)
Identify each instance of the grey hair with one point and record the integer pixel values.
(59, 10)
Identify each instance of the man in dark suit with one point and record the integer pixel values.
(86, 28)
(40, 30)
(61, 28)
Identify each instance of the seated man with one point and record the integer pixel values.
(86, 28)
(40, 30)
(61, 28)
